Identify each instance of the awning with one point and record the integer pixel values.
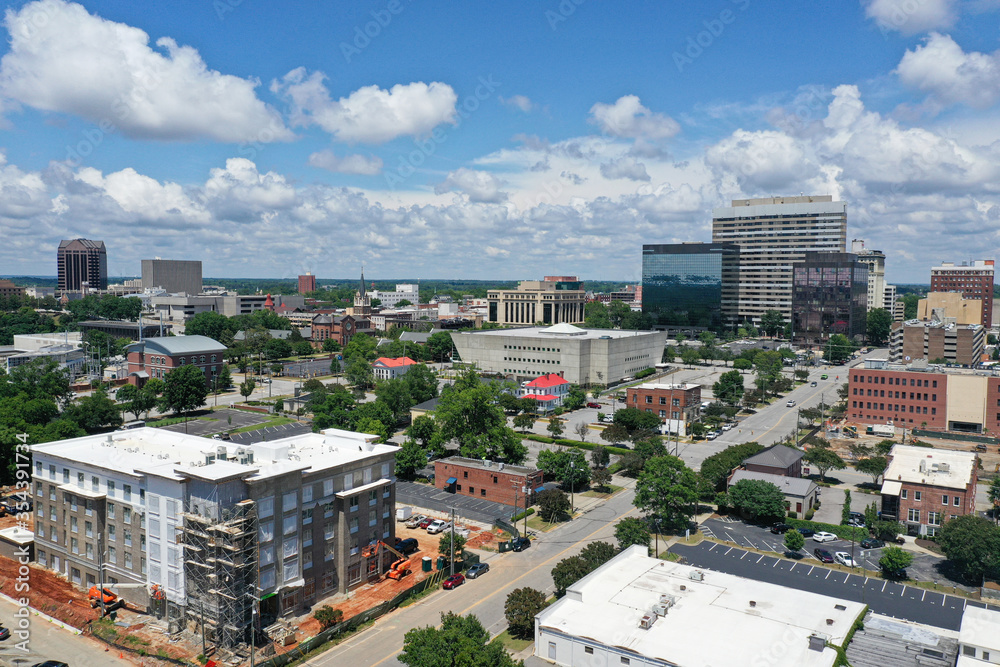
(891, 487)
(539, 489)
(140, 374)
(452, 480)
(540, 397)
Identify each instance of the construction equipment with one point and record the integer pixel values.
(851, 431)
(399, 568)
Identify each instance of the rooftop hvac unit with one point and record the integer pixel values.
(221, 453)
(660, 609)
(500, 465)
(817, 641)
(697, 575)
(668, 600)
(646, 622)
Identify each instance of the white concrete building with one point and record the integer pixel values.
(637, 610)
(403, 291)
(979, 638)
(581, 356)
(149, 506)
(387, 368)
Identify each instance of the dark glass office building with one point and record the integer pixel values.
(690, 284)
(829, 296)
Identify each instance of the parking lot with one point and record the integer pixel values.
(924, 567)
(219, 421)
(428, 497)
(884, 597)
(308, 369)
(271, 433)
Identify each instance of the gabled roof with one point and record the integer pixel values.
(181, 345)
(776, 456)
(393, 363)
(546, 381)
(790, 486)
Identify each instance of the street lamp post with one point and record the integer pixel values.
(572, 482)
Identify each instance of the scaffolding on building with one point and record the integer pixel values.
(220, 563)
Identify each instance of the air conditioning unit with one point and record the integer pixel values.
(697, 575)
(646, 622)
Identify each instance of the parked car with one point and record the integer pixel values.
(4, 633)
(50, 663)
(872, 543)
(407, 546)
(823, 555)
(844, 558)
(426, 522)
(454, 581)
(415, 520)
(608, 419)
(780, 528)
(477, 569)
(592, 404)
(520, 543)
(727, 427)
(712, 435)
(226, 436)
(806, 532)
(824, 537)
(790, 404)
(438, 526)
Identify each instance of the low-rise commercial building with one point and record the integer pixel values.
(925, 487)
(549, 390)
(638, 610)
(678, 404)
(937, 341)
(580, 356)
(776, 460)
(488, 480)
(209, 523)
(979, 641)
(156, 357)
(800, 493)
(385, 368)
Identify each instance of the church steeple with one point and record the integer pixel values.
(362, 302)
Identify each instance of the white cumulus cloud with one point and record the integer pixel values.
(370, 114)
(480, 186)
(518, 102)
(63, 59)
(910, 17)
(366, 165)
(625, 167)
(942, 69)
(627, 117)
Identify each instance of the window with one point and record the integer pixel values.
(348, 481)
(354, 503)
(65, 475)
(330, 552)
(290, 547)
(112, 555)
(128, 536)
(52, 471)
(387, 489)
(265, 507)
(289, 525)
(40, 531)
(958, 501)
(589, 650)
(88, 529)
(354, 524)
(327, 510)
(328, 530)
(372, 517)
(944, 500)
(327, 487)
(625, 661)
(902, 494)
(307, 493)
(73, 525)
(307, 517)
(267, 555)
(649, 399)
(128, 560)
(934, 518)
(289, 501)
(142, 564)
(465, 474)
(267, 579)
(386, 470)
(307, 560)
(112, 533)
(89, 507)
(266, 531)
(111, 489)
(916, 496)
(482, 492)
(913, 515)
(372, 497)
(79, 479)
(127, 492)
(127, 514)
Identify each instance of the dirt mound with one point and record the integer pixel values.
(48, 593)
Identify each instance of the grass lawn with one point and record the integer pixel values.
(536, 522)
(511, 644)
(274, 421)
(168, 421)
(612, 490)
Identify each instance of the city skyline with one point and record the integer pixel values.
(504, 143)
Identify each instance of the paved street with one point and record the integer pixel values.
(484, 597)
(884, 597)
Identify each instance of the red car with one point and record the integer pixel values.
(426, 522)
(453, 581)
(593, 405)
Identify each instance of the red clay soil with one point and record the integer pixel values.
(49, 594)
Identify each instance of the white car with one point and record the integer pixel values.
(438, 526)
(824, 537)
(712, 435)
(790, 404)
(844, 558)
(726, 427)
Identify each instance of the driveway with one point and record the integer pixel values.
(428, 497)
(884, 597)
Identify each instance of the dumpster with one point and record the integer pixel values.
(504, 546)
(428, 564)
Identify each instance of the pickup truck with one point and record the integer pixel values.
(438, 526)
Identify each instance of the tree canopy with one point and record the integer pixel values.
(667, 490)
(729, 387)
(878, 326)
(461, 641)
(972, 543)
(631, 530)
(757, 499)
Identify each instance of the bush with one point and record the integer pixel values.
(646, 372)
(621, 451)
(844, 532)
(810, 513)
(518, 517)
(792, 514)
(328, 616)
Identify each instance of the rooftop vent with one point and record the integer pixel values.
(697, 575)
(817, 641)
(646, 622)
(753, 603)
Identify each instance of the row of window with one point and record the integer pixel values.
(95, 484)
(183, 360)
(894, 407)
(918, 496)
(933, 518)
(532, 349)
(918, 396)
(914, 382)
(675, 402)
(534, 361)
(663, 414)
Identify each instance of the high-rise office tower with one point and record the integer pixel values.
(773, 234)
(82, 261)
(690, 284)
(307, 283)
(973, 279)
(875, 259)
(174, 275)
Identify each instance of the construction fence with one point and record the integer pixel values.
(311, 644)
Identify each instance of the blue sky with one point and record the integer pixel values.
(488, 140)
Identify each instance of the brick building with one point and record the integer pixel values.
(922, 396)
(667, 401)
(776, 460)
(956, 344)
(972, 280)
(487, 480)
(340, 328)
(307, 283)
(924, 488)
(156, 357)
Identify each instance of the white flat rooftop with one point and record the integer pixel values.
(561, 332)
(981, 627)
(720, 620)
(174, 455)
(935, 467)
(666, 386)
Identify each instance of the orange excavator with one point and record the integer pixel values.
(399, 568)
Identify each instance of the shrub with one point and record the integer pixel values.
(844, 532)
(328, 616)
(646, 372)
(810, 513)
(792, 514)
(518, 517)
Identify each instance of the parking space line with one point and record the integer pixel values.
(775, 563)
(943, 598)
(728, 550)
(744, 555)
(884, 585)
(810, 570)
(828, 572)
(761, 558)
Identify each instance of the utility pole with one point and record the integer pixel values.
(451, 557)
(572, 483)
(797, 417)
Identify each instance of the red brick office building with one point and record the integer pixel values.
(489, 480)
(924, 487)
(973, 280)
(156, 357)
(667, 401)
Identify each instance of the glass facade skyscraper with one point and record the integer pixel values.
(690, 284)
(829, 296)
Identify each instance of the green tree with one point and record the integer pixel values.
(396, 395)
(631, 531)
(794, 541)
(445, 546)
(246, 388)
(878, 326)
(884, 447)
(600, 477)
(410, 458)
(567, 572)
(331, 345)
(772, 322)
(328, 616)
(212, 324)
(824, 460)
(742, 364)
(422, 383)
(361, 345)
(838, 349)
(184, 389)
(874, 466)
(125, 396)
(972, 544)
(95, 412)
(845, 511)
(555, 427)
(439, 346)
(423, 429)
(301, 348)
(690, 355)
(582, 430)
(575, 399)
(522, 605)
(893, 561)
(553, 504)
(667, 489)
(469, 413)
(757, 499)
(633, 419)
(600, 457)
(359, 372)
(729, 388)
(597, 554)
(716, 468)
(524, 421)
(461, 641)
(373, 427)
(910, 305)
(994, 496)
(614, 433)
(768, 367)
(225, 379)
